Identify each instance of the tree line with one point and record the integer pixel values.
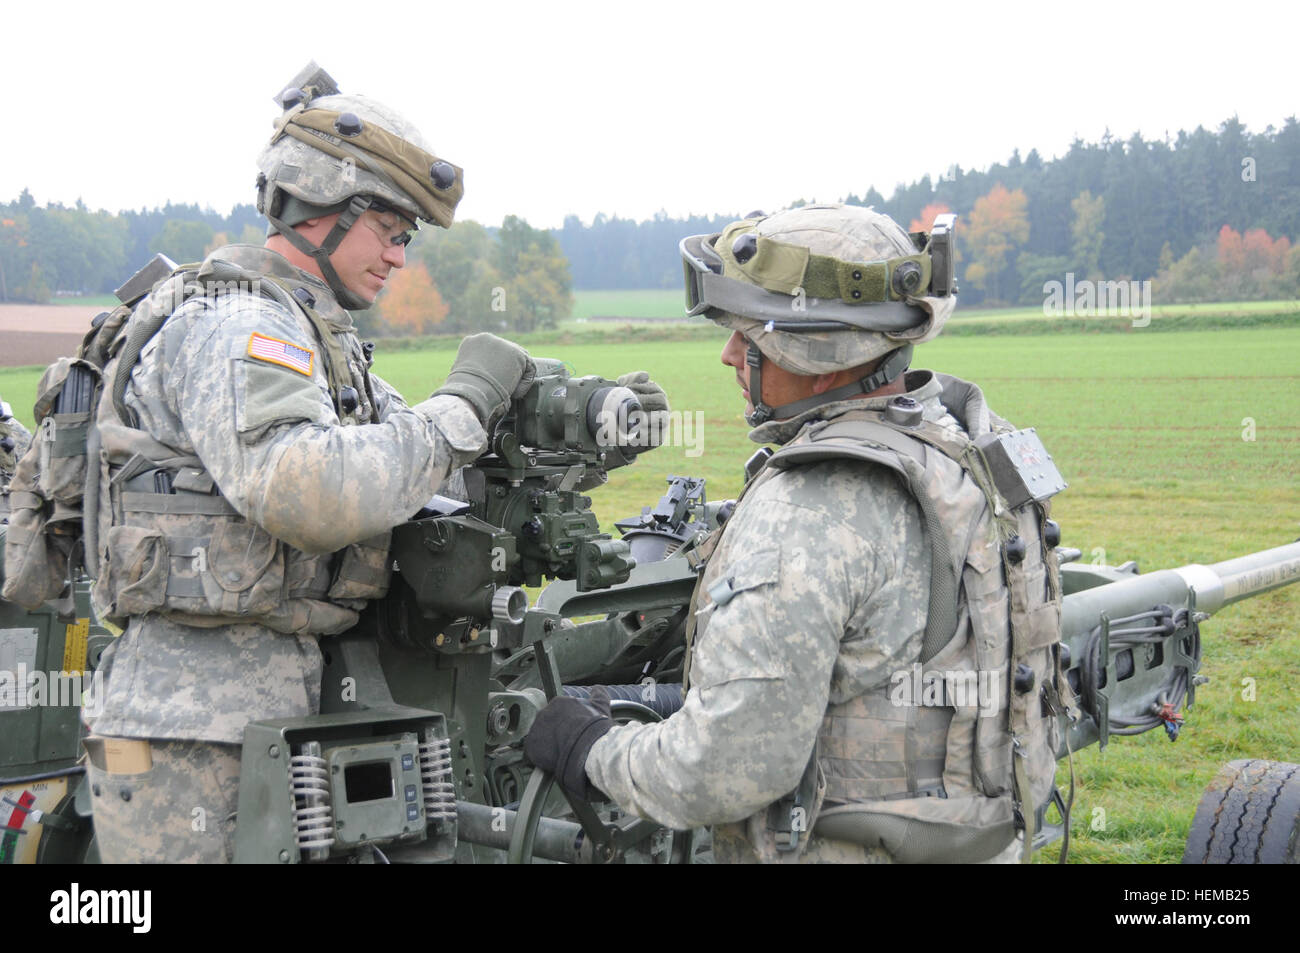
(1115, 209)
(509, 278)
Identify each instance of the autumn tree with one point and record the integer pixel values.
(1254, 251)
(925, 221)
(1250, 263)
(412, 305)
(997, 225)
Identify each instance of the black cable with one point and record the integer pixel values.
(45, 775)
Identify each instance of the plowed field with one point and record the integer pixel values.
(39, 333)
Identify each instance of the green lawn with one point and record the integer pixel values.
(1147, 428)
(650, 303)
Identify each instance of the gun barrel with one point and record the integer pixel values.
(1216, 585)
(1250, 575)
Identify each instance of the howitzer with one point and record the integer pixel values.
(416, 754)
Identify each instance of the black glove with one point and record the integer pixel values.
(488, 372)
(562, 736)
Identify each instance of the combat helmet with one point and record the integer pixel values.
(343, 153)
(823, 288)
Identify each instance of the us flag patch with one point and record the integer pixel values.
(280, 352)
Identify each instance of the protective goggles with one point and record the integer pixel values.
(399, 234)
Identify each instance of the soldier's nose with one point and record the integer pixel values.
(733, 352)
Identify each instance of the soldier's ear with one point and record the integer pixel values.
(824, 382)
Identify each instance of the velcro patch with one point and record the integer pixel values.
(275, 351)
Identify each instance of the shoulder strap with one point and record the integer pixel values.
(168, 297)
(336, 362)
(907, 456)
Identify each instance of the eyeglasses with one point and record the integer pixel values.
(399, 232)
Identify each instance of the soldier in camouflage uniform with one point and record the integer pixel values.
(14, 441)
(817, 591)
(247, 495)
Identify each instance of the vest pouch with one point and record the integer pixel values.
(64, 404)
(35, 556)
(245, 569)
(62, 441)
(137, 571)
(926, 830)
(35, 562)
(364, 569)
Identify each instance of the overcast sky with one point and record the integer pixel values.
(623, 108)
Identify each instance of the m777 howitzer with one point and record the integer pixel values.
(416, 755)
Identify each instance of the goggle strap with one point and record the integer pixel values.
(762, 413)
(741, 298)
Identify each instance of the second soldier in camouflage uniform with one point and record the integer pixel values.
(818, 590)
(14, 441)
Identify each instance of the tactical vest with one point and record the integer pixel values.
(158, 535)
(950, 759)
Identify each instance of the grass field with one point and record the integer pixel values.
(650, 303)
(1149, 429)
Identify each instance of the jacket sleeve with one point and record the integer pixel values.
(760, 680)
(252, 395)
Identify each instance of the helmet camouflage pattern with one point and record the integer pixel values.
(818, 289)
(329, 149)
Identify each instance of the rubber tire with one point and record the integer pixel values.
(1249, 814)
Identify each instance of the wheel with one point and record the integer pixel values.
(1249, 814)
(609, 839)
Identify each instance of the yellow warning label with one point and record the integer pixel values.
(19, 835)
(74, 647)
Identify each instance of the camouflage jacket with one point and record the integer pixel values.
(830, 574)
(235, 406)
(18, 438)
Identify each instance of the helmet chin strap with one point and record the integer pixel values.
(321, 253)
(895, 363)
